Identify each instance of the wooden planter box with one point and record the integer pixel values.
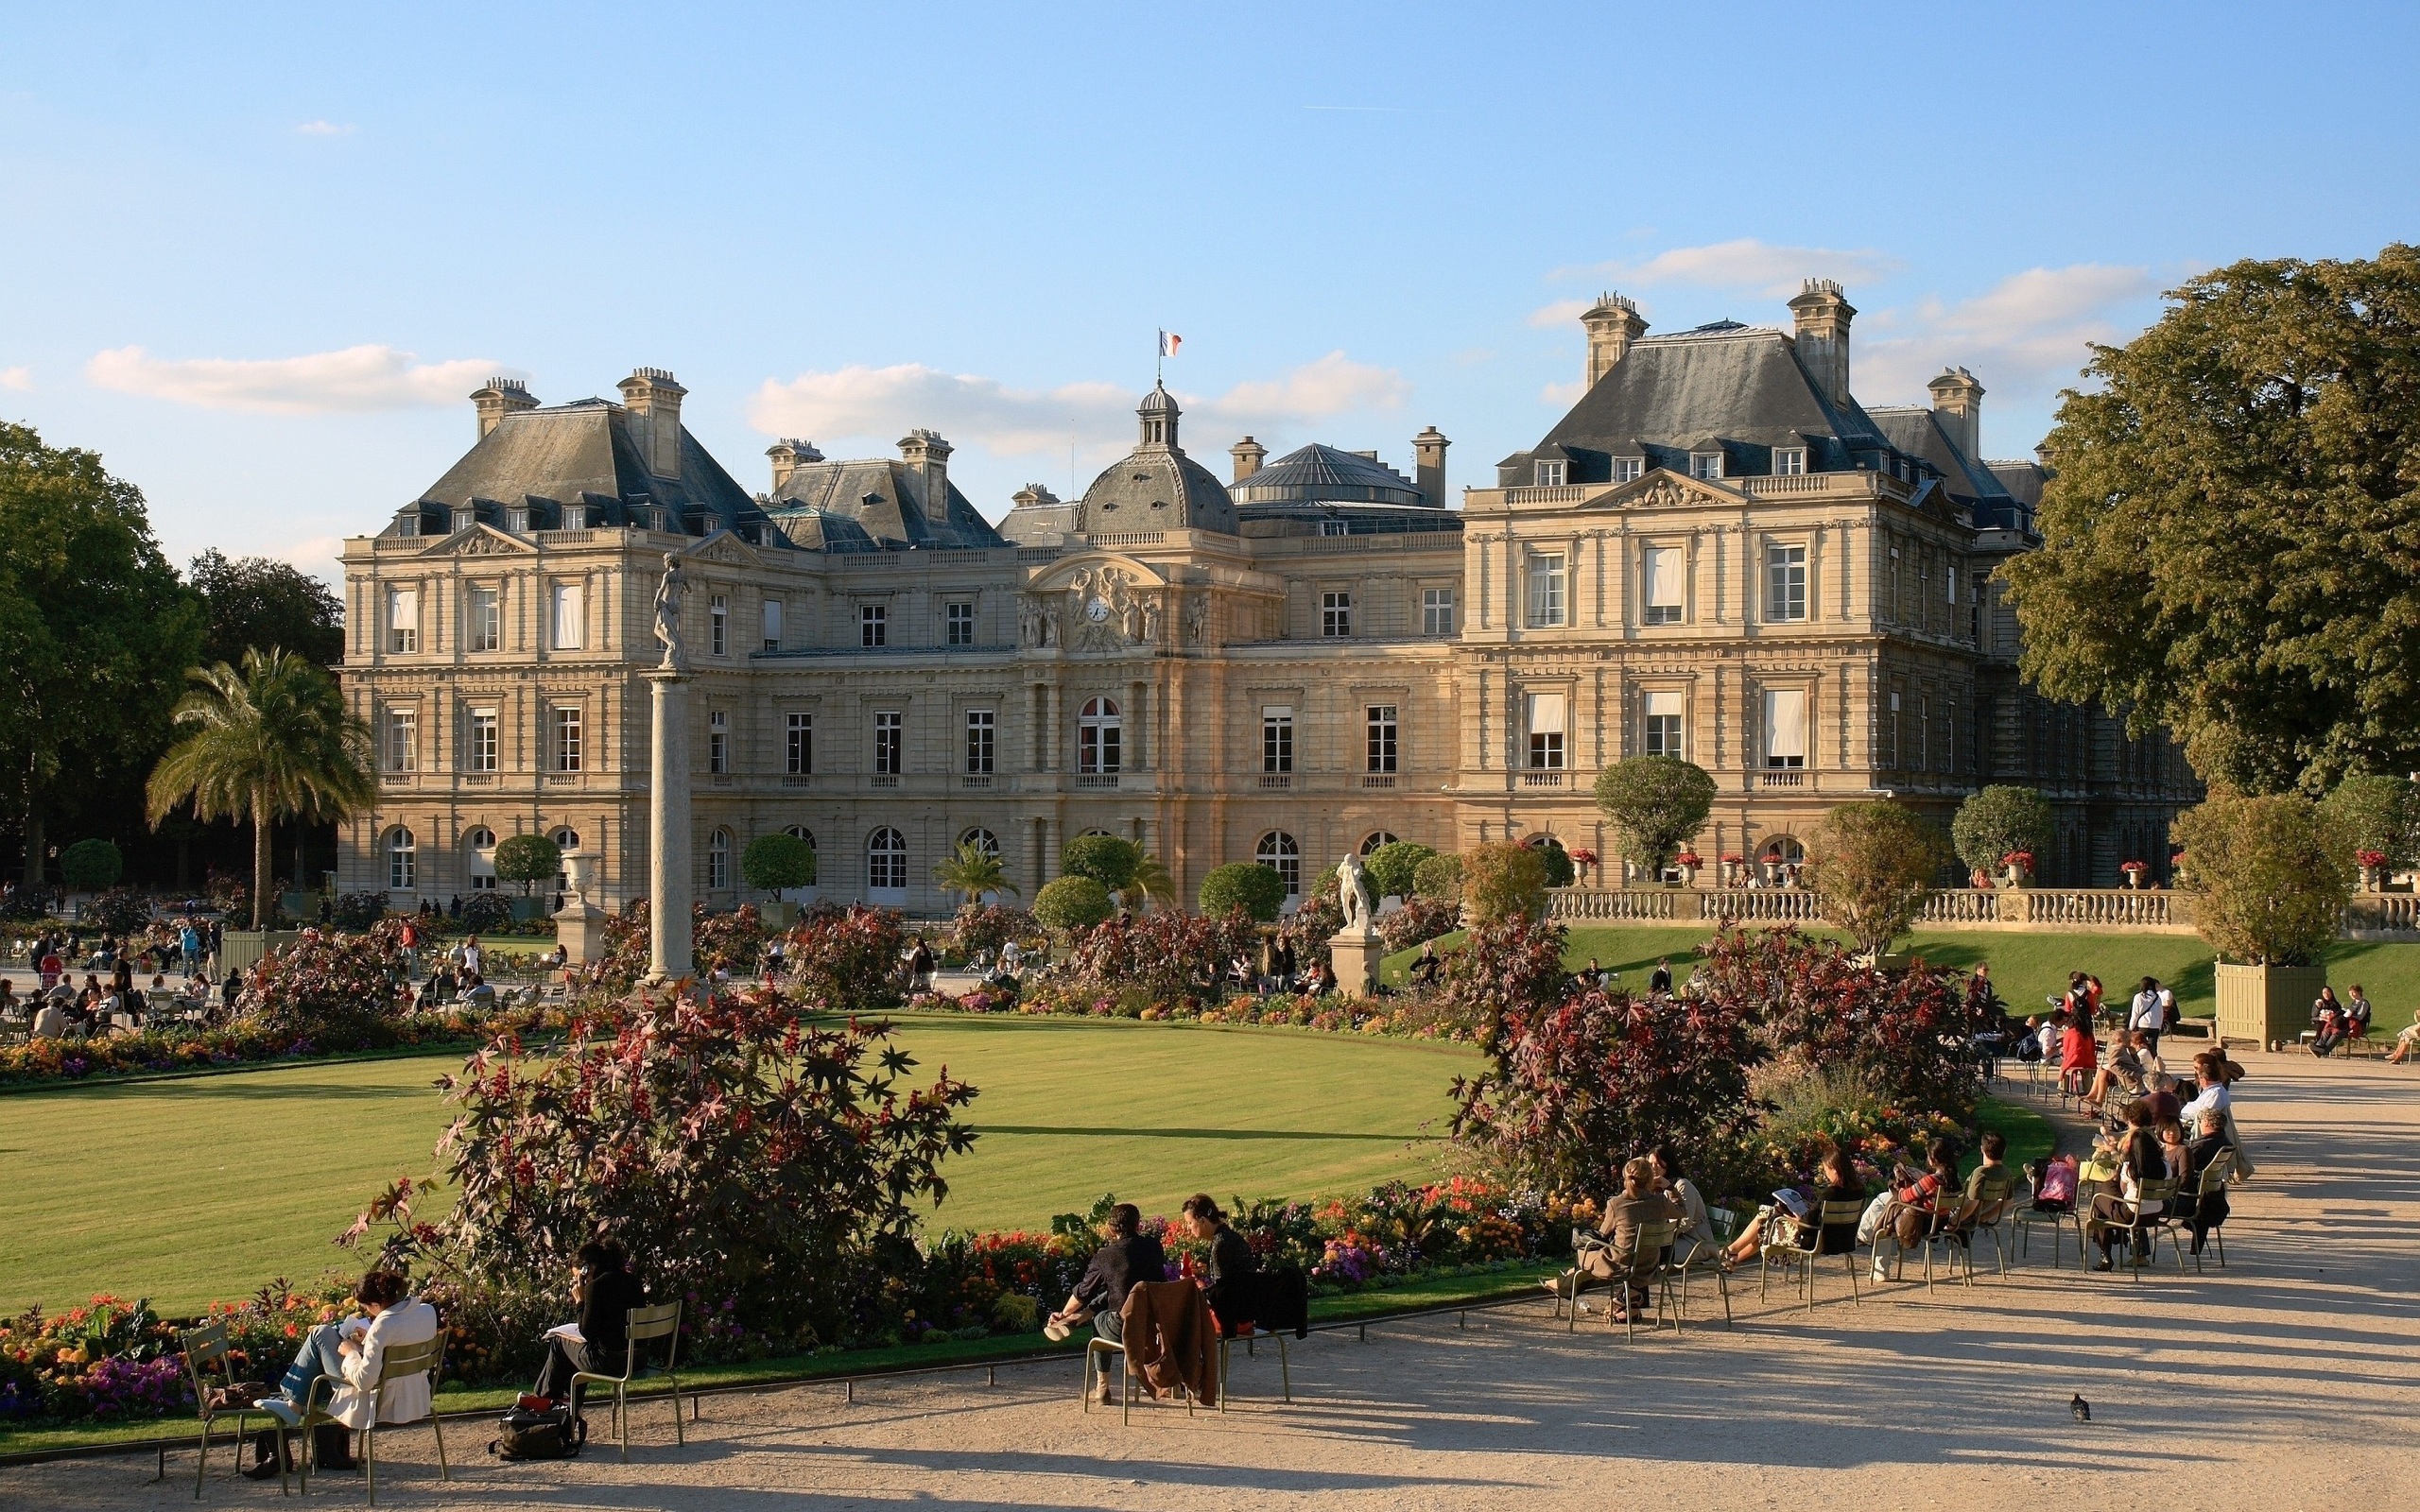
(240, 950)
(2266, 1003)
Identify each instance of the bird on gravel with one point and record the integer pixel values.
(2082, 1408)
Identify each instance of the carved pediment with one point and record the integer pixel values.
(480, 541)
(1664, 490)
(726, 548)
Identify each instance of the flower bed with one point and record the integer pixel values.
(245, 1041)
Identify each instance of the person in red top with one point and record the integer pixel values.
(2079, 1055)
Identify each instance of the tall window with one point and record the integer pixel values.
(402, 620)
(1276, 738)
(1336, 614)
(886, 860)
(1099, 731)
(799, 758)
(719, 861)
(1437, 612)
(1629, 469)
(570, 616)
(1894, 585)
(1280, 854)
(403, 740)
(957, 621)
(982, 731)
(873, 624)
(1664, 732)
(479, 857)
(717, 742)
(1546, 588)
(479, 749)
(983, 840)
(402, 860)
(886, 742)
(485, 631)
(1890, 736)
(771, 639)
(1789, 461)
(1545, 714)
(719, 625)
(1660, 585)
(567, 739)
(1382, 732)
(1924, 735)
(1785, 726)
(1784, 582)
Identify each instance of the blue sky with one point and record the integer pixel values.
(259, 257)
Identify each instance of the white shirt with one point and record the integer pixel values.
(2211, 1099)
(404, 1401)
(2148, 1013)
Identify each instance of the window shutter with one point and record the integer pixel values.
(1663, 577)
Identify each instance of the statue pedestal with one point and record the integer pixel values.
(579, 929)
(668, 829)
(1354, 954)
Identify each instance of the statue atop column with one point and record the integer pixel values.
(667, 614)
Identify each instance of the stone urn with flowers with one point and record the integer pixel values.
(2016, 868)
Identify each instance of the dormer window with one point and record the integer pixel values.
(1706, 464)
(1629, 469)
(1550, 475)
(1789, 461)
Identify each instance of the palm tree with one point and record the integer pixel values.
(972, 871)
(1153, 884)
(273, 741)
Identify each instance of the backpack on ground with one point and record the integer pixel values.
(548, 1433)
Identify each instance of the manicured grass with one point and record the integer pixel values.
(189, 1189)
(2028, 966)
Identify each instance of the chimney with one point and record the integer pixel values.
(1034, 496)
(653, 399)
(1249, 455)
(789, 453)
(1428, 465)
(1957, 399)
(501, 397)
(1824, 315)
(927, 455)
(1611, 324)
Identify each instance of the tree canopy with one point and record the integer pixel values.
(1258, 890)
(1657, 804)
(1106, 858)
(1873, 865)
(778, 862)
(2228, 540)
(255, 602)
(1998, 820)
(526, 859)
(2269, 876)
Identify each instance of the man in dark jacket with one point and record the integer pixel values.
(1127, 1255)
(604, 1291)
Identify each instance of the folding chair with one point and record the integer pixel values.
(1248, 1335)
(1827, 1215)
(1647, 1265)
(645, 1323)
(201, 1346)
(1095, 1349)
(400, 1362)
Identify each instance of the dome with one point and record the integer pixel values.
(1323, 474)
(1158, 402)
(1156, 487)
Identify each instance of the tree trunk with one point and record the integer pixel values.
(34, 838)
(260, 857)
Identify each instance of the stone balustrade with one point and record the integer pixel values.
(2108, 910)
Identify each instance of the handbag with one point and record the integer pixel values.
(529, 1433)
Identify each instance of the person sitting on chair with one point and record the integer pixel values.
(2327, 1022)
(2201, 1214)
(604, 1291)
(1695, 1229)
(1836, 1182)
(2138, 1161)
(1230, 1258)
(351, 1353)
(1617, 1256)
(2356, 1015)
(1425, 969)
(1127, 1255)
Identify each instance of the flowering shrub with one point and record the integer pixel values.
(246, 1041)
(1509, 964)
(733, 941)
(846, 960)
(1168, 957)
(337, 989)
(1311, 927)
(118, 911)
(1418, 920)
(981, 929)
(2360, 858)
(2021, 860)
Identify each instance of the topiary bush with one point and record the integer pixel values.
(486, 912)
(1502, 879)
(1440, 876)
(89, 866)
(1073, 903)
(118, 911)
(777, 862)
(1395, 867)
(1258, 891)
(1998, 820)
(1657, 804)
(1104, 858)
(2269, 876)
(527, 859)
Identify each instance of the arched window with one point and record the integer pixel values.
(800, 831)
(886, 860)
(1280, 854)
(1781, 850)
(1099, 729)
(985, 838)
(402, 861)
(478, 858)
(1377, 838)
(719, 861)
(566, 838)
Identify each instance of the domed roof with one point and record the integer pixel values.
(1156, 487)
(1158, 402)
(1323, 474)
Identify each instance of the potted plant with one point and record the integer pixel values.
(1656, 804)
(2133, 872)
(2269, 880)
(2017, 865)
(1584, 859)
(1733, 864)
(2373, 865)
(1688, 861)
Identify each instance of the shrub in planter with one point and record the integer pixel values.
(2000, 818)
(2269, 877)
(777, 862)
(1258, 891)
(1657, 805)
(1104, 858)
(1874, 865)
(527, 859)
(1072, 904)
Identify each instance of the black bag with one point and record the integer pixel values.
(554, 1434)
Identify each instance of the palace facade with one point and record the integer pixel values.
(1718, 553)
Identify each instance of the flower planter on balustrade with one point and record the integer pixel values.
(2266, 1005)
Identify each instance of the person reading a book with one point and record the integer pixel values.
(350, 1353)
(604, 1291)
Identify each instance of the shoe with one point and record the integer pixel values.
(268, 1447)
(2105, 1263)
(1055, 1331)
(280, 1409)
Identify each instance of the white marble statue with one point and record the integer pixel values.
(1353, 892)
(667, 614)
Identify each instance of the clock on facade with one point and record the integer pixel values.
(1097, 610)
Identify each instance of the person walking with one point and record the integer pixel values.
(2148, 1015)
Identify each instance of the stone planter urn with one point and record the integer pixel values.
(2017, 877)
(2374, 879)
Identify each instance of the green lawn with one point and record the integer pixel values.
(2028, 966)
(188, 1190)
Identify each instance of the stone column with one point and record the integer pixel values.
(667, 849)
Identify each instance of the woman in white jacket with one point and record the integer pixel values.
(352, 1353)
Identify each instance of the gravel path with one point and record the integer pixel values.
(2289, 1381)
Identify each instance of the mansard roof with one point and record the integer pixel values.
(584, 457)
(1320, 475)
(875, 505)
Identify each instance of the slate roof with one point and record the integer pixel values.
(1317, 474)
(875, 505)
(1916, 430)
(1154, 487)
(579, 464)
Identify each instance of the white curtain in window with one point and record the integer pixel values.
(1545, 714)
(403, 608)
(1659, 704)
(568, 617)
(1663, 577)
(772, 622)
(1786, 723)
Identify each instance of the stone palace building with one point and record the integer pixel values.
(1719, 553)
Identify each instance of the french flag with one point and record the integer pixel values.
(1170, 341)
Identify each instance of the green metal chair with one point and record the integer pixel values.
(202, 1346)
(400, 1362)
(1706, 1260)
(1828, 1215)
(646, 1324)
(2214, 1183)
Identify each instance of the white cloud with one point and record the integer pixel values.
(20, 379)
(967, 408)
(356, 379)
(2028, 331)
(1745, 263)
(1560, 313)
(1563, 396)
(324, 129)
(316, 555)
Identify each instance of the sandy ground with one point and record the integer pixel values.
(2289, 1381)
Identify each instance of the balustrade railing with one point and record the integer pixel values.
(2114, 909)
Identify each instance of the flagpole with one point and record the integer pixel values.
(1160, 362)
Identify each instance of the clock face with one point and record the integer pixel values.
(1097, 610)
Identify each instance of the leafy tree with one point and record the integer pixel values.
(1502, 879)
(2228, 540)
(2269, 876)
(1395, 867)
(1657, 804)
(1560, 873)
(254, 602)
(91, 865)
(1507, 965)
(845, 960)
(1106, 858)
(96, 635)
(1153, 883)
(778, 862)
(1873, 865)
(972, 871)
(270, 741)
(1440, 876)
(2380, 814)
(1257, 890)
(527, 859)
(1072, 904)
(1998, 820)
